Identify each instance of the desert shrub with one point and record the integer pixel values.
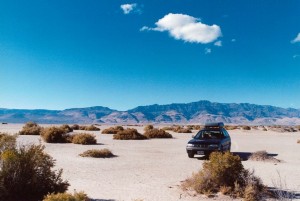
(167, 128)
(148, 127)
(67, 128)
(26, 174)
(75, 127)
(246, 127)
(182, 130)
(84, 138)
(157, 133)
(262, 156)
(89, 128)
(55, 135)
(112, 130)
(224, 172)
(97, 153)
(298, 141)
(80, 196)
(129, 134)
(229, 127)
(31, 128)
(7, 142)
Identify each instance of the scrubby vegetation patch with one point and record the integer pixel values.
(31, 128)
(80, 196)
(26, 172)
(84, 138)
(113, 130)
(129, 134)
(89, 128)
(55, 135)
(263, 156)
(157, 133)
(225, 173)
(97, 153)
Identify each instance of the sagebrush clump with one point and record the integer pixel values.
(129, 134)
(80, 196)
(7, 142)
(31, 128)
(67, 128)
(75, 127)
(26, 173)
(97, 153)
(55, 135)
(262, 156)
(225, 172)
(112, 130)
(89, 128)
(157, 133)
(246, 128)
(84, 138)
(148, 127)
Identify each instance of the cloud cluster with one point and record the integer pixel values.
(186, 28)
(297, 39)
(128, 8)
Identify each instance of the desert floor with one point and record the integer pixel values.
(153, 169)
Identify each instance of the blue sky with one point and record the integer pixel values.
(58, 54)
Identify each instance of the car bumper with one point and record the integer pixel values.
(200, 151)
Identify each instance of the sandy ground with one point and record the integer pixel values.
(153, 169)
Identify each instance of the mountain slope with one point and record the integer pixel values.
(195, 112)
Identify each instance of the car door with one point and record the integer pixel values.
(226, 141)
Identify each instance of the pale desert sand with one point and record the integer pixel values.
(153, 169)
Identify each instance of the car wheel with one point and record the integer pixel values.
(191, 155)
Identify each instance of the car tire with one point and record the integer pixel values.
(191, 155)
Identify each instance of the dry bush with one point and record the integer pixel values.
(97, 153)
(89, 128)
(7, 142)
(67, 128)
(129, 134)
(75, 127)
(167, 128)
(246, 128)
(182, 130)
(148, 127)
(298, 141)
(112, 130)
(262, 156)
(31, 128)
(229, 127)
(26, 174)
(225, 172)
(84, 138)
(55, 135)
(80, 196)
(157, 133)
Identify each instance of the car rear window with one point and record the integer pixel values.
(209, 134)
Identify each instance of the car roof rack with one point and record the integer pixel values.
(214, 125)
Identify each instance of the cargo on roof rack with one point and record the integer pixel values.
(214, 125)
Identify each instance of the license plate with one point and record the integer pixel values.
(200, 152)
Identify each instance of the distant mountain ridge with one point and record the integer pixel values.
(180, 113)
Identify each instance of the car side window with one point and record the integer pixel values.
(225, 133)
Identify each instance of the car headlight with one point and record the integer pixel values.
(214, 146)
(190, 145)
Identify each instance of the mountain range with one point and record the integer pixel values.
(176, 113)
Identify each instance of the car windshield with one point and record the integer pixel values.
(209, 134)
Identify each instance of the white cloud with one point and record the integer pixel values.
(218, 43)
(297, 39)
(233, 40)
(295, 56)
(128, 8)
(186, 28)
(207, 50)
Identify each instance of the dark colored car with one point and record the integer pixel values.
(213, 137)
